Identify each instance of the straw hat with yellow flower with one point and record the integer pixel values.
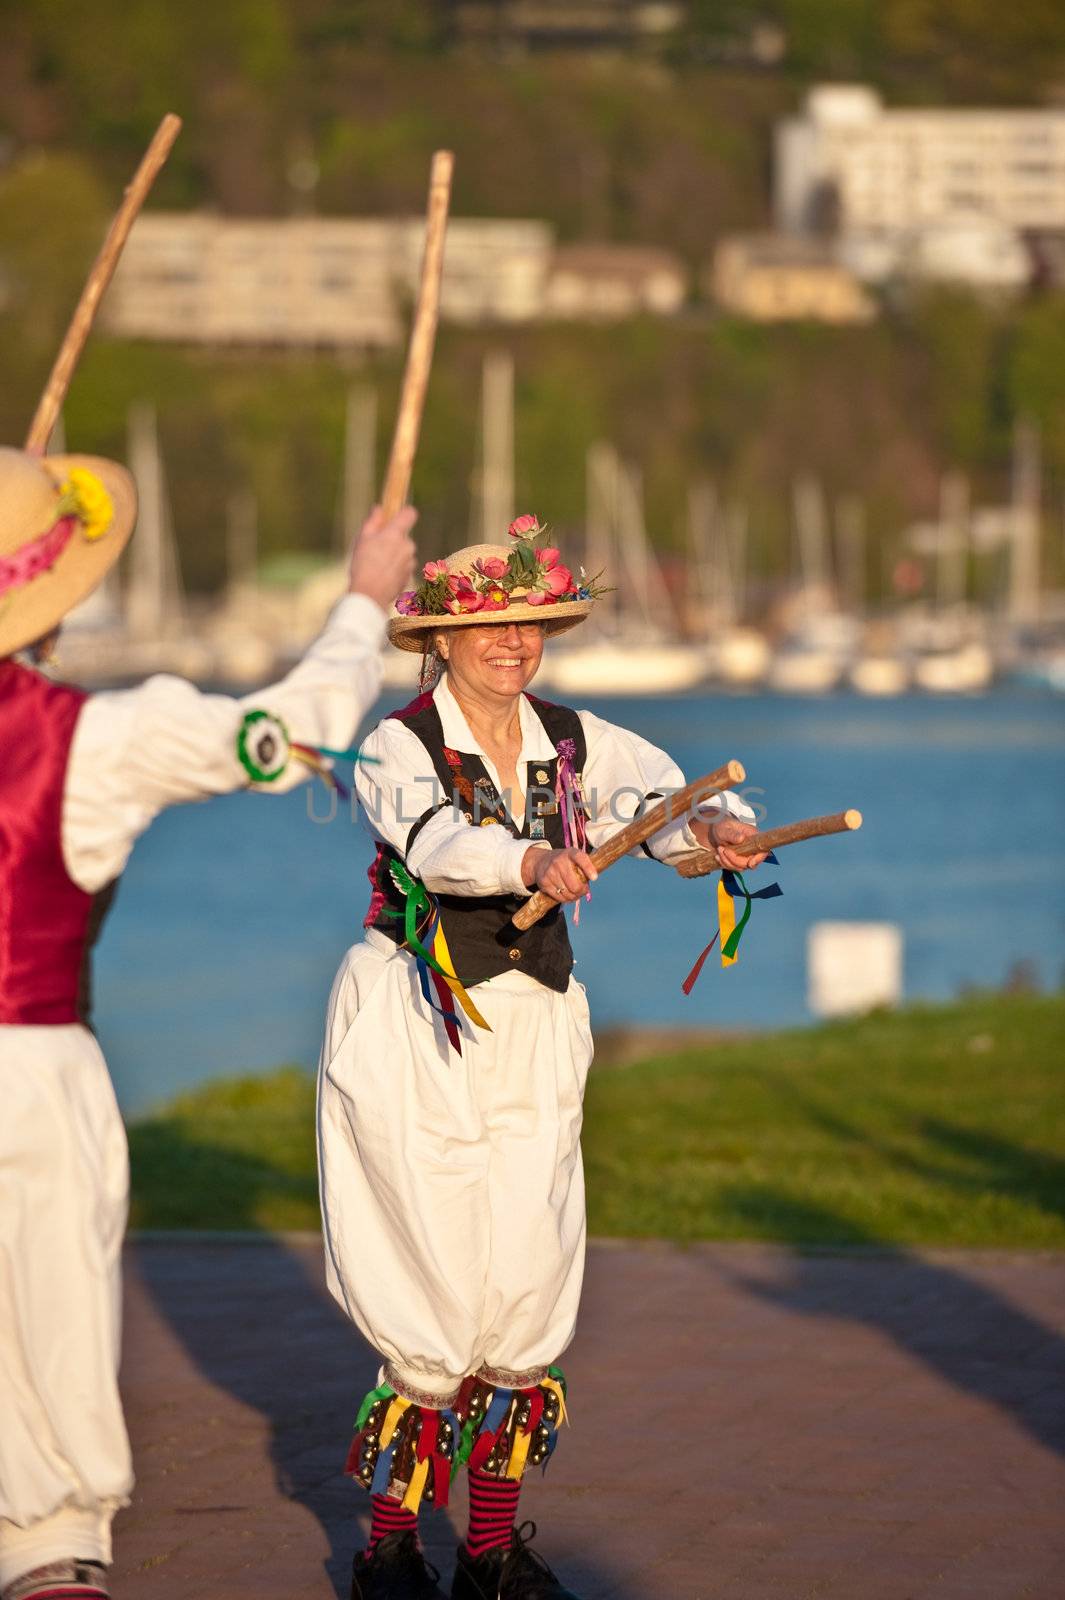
(64, 521)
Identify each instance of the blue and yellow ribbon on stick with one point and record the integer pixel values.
(730, 888)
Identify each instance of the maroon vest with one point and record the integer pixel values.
(44, 917)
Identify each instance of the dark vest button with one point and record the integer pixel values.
(514, 953)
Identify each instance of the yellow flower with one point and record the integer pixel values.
(92, 503)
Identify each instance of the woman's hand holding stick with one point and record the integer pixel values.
(55, 390)
(619, 844)
(700, 862)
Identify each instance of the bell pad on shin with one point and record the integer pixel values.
(403, 1450)
(504, 1431)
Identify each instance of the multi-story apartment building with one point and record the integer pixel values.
(943, 191)
(337, 282)
(206, 279)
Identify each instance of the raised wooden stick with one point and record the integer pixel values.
(619, 844)
(55, 390)
(700, 862)
(422, 338)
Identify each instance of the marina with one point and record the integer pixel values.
(249, 904)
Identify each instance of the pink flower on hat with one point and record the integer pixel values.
(522, 527)
(548, 558)
(538, 597)
(464, 597)
(493, 567)
(434, 569)
(408, 604)
(557, 581)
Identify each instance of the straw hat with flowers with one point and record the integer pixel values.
(519, 582)
(64, 521)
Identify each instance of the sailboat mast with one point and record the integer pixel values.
(1024, 544)
(360, 464)
(497, 434)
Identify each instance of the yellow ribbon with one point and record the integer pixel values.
(416, 1488)
(391, 1422)
(726, 921)
(556, 1389)
(519, 1455)
(443, 955)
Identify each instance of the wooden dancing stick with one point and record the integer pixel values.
(422, 338)
(619, 844)
(55, 390)
(700, 862)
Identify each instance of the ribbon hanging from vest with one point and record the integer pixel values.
(730, 888)
(432, 955)
(570, 800)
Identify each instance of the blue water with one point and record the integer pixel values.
(232, 916)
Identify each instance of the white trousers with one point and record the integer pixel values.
(452, 1188)
(64, 1180)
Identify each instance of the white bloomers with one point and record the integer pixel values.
(64, 1455)
(452, 1188)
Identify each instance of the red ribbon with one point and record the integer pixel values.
(690, 981)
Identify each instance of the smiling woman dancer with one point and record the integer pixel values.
(449, 1121)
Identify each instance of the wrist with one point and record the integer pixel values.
(530, 864)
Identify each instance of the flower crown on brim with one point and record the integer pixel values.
(533, 577)
(64, 521)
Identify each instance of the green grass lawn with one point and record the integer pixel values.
(933, 1126)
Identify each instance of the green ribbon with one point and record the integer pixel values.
(559, 1377)
(348, 755)
(383, 1392)
(417, 902)
(465, 1445)
(731, 944)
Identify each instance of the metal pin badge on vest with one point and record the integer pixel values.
(542, 775)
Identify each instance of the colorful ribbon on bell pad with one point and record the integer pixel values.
(730, 888)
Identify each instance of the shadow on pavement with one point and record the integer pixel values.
(268, 1335)
(959, 1327)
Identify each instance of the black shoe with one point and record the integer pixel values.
(514, 1574)
(396, 1570)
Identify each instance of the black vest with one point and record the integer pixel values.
(480, 934)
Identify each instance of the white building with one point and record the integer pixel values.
(937, 192)
(202, 278)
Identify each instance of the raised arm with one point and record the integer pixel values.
(137, 751)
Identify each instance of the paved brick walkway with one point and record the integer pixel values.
(845, 1427)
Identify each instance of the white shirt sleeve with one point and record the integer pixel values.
(621, 770)
(448, 854)
(136, 751)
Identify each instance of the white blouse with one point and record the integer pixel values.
(451, 857)
(136, 751)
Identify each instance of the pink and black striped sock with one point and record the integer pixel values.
(388, 1517)
(493, 1509)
